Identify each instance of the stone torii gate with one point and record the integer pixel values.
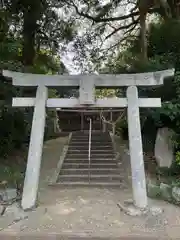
(86, 84)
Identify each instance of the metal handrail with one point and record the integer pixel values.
(89, 151)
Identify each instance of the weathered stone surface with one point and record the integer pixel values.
(31, 181)
(2, 209)
(104, 80)
(156, 211)
(153, 190)
(166, 192)
(136, 151)
(132, 210)
(8, 194)
(176, 194)
(164, 148)
(16, 212)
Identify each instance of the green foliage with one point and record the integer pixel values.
(164, 40)
(13, 174)
(31, 33)
(103, 93)
(126, 62)
(15, 125)
(13, 130)
(122, 128)
(178, 157)
(46, 63)
(163, 53)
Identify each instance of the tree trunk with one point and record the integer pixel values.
(29, 32)
(143, 39)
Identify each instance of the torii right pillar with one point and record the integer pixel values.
(136, 151)
(135, 143)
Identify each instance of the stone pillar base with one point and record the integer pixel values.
(130, 209)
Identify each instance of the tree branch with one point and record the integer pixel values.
(132, 28)
(97, 19)
(122, 27)
(105, 50)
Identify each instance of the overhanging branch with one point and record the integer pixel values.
(97, 19)
(133, 24)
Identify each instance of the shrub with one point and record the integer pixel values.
(12, 129)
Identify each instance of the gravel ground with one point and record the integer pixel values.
(90, 213)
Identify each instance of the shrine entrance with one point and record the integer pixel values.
(86, 100)
(78, 119)
(95, 118)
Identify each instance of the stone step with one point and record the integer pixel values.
(92, 159)
(88, 184)
(86, 147)
(97, 161)
(92, 177)
(93, 156)
(92, 139)
(93, 148)
(86, 165)
(77, 171)
(95, 139)
(93, 151)
(81, 141)
(93, 144)
(95, 132)
(92, 136)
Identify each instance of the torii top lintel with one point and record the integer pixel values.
(102, 80)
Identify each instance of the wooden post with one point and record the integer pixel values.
(111, 116)
(100, 121)
(82, 121)
(136, 152)
(104, 126)
(35, 150)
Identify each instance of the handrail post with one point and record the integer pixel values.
(89, 151)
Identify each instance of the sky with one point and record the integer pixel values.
(67, 58)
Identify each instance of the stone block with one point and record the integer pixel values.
(153, 190)
(166, 192)
(8, 194)
(176, 194)
(164, 152)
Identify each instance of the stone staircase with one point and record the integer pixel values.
(103, 169)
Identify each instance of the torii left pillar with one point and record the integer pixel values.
(35, 150)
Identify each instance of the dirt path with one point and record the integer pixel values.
(91, 212)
